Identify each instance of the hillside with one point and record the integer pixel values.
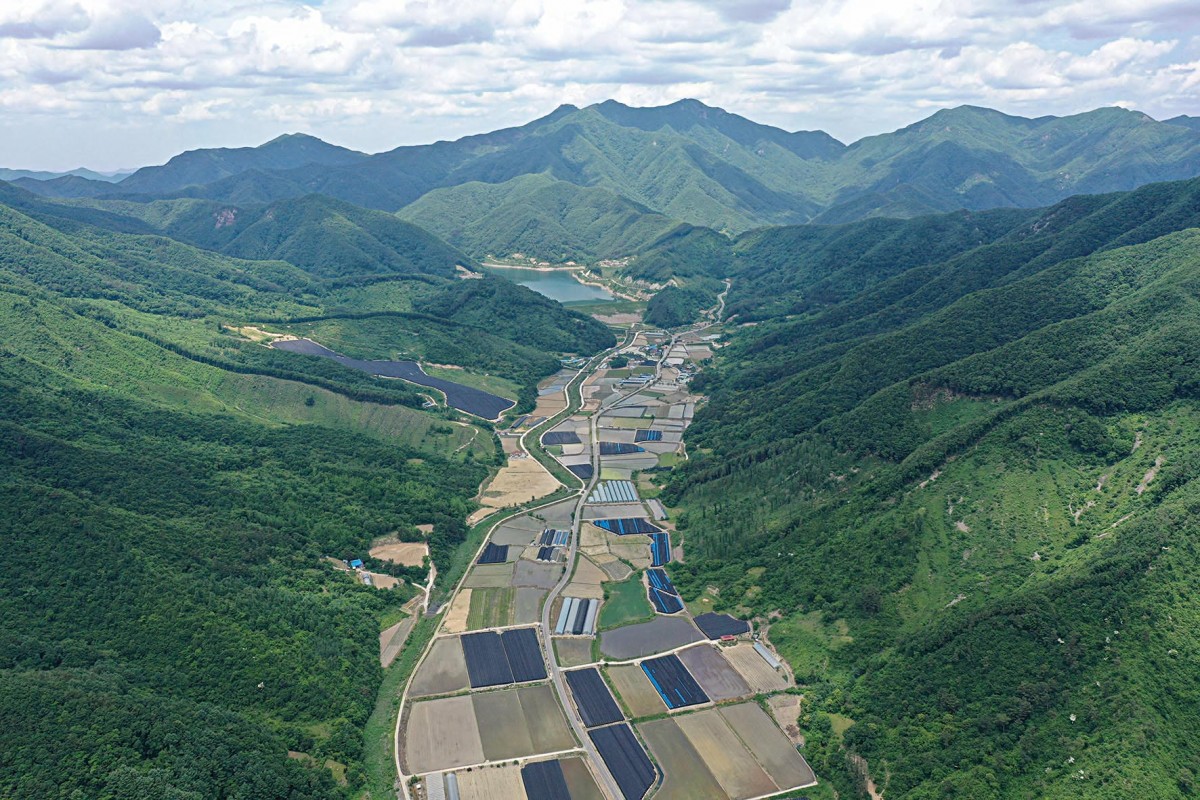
(327, 238)
(979, 455)
(538, 216)
(175, 487)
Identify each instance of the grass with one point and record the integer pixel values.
(624, 602)
(379, 761)
(668, 459)
(629, 423)
(488, 383)
(808, 643)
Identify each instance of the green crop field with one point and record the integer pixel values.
(624, 602)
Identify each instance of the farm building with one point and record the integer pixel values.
(767, 655)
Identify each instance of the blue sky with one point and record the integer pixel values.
(123, 83)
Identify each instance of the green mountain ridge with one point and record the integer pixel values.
(703, 166)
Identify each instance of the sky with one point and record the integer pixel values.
(112, 84)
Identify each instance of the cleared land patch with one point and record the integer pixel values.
(520, 480)
(410, 554)
(573, 652)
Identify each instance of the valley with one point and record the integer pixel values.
(628, 453)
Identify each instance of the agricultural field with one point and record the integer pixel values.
(684, 775)
(719, 748)
(624, 602)
(634, 689)
(443, 671)
(520, 722)
(573, 652)
(441, 734)
(758, 674)
(490, 608)
(580, 782)
(716, 676)
(647, 638)
(769, 745)
(488, 783)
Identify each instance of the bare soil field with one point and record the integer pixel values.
(522, 479)
(392, 639)
(489, 783)
(580, 783)
(443, 671)
(786, 710)
(528, 606)
(381, 581)
(573, 652)
(410, 554)
(726, 757)
(684, 775)
(515, 723)
(648, 638)
(635, 689)
(456, 616)
(545, 718)
(761, 677)
(614, 510)
(441, 734)
(502, 725)
(588, 572)
(770, 747)
(719, 680)
(537, 575)
(489, 575)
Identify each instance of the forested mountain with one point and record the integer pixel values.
(538, 216)
(325, 237)
(197, 167)
(171, 486)
(973, 440)
(687, 162)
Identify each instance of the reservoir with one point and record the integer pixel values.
(556, 284)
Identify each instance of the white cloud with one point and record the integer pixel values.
(373, 74)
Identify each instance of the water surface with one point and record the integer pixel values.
(557, 285)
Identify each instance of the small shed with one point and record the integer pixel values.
(356, 563)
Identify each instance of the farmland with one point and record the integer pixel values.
(625, 602)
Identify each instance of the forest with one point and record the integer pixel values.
(980, 455)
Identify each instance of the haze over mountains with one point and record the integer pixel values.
(687, 162)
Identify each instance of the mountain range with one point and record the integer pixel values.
(687, 162)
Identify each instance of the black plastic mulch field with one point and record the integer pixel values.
(626, 760)
(524, 655)
(714, 626)
(493, 554)
(544, 780)
(487, 663)
(465, 398)
(560, 437)
(672, 680)
(582, 471)
(595, 701)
